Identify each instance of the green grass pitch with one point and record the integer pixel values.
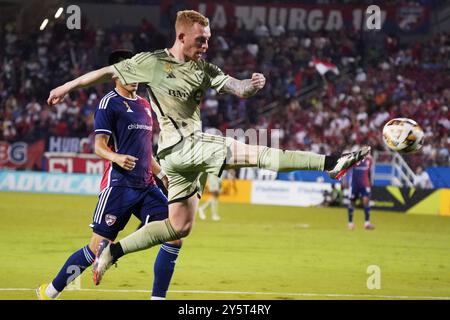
(254, 252)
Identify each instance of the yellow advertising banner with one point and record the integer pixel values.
(445, 202)
(234, 191)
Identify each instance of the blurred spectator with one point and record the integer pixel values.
(422, 179)
(335, 197)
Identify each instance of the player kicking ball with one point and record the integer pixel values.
(123, 123)
(176, 79)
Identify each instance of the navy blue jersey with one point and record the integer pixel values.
(359, 175)
(128, 122)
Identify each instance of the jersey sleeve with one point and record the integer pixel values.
(104, 119)
(140, 69)
(216, 76)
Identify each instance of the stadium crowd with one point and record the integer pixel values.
(376, 82)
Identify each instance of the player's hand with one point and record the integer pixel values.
(258, 81)
(125, 161)
(57, 95)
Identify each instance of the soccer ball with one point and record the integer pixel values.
(403, 135)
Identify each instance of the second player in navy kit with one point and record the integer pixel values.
(123, 128)
(125, 125)
(360, 188)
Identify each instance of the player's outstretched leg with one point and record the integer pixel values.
(346, 161)
(287, 160)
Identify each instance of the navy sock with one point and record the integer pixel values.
(367, 213)
(164, 267)
(73, 267)
(350, 214)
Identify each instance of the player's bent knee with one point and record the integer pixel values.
(183, 230)
(177, 243)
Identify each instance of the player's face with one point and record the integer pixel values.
(132, 87)
(196, 41)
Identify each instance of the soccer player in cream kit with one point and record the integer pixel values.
(175, 79)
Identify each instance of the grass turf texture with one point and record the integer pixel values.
(254, 252)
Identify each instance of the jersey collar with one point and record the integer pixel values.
(125, 97)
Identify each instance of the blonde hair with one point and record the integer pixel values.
(189, 18)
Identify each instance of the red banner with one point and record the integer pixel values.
(21, 155)
(73, 163)
(408, 18)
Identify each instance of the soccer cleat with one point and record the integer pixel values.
(351, 226)
(215, 217)
(347, 161)
(369, 226)
(103, 260)
(40, 292)
(201, 214)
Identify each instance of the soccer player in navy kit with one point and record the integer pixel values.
(123, 128)
(359, 184)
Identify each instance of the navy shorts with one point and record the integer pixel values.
(359, 192)
(116, 205)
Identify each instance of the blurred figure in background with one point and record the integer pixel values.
(335, 197)
(422, 179)
(214, 184)
(359, 182)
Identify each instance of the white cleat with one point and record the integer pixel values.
(103, 260)
(347, 161)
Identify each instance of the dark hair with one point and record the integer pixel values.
(119, 55)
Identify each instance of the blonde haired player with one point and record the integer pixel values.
(176, 79)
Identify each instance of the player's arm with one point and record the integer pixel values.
(101, 149)
(245, 88)
(94, 77)
(159, 172)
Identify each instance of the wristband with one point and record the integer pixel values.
(161, 174)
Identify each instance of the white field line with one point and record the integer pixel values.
(290, 294)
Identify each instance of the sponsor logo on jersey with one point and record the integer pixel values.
(137, 126)
(169, 70)
(127, 106)
(178, 93)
